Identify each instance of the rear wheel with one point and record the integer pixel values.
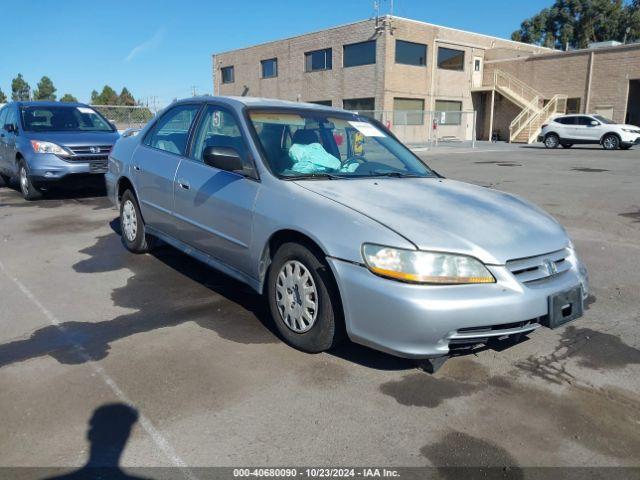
(28, 189)
(610, 142)
(552, 141)
(134, 236)
(303, 299)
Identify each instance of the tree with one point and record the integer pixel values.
(94, 97)
(3, 97)
(20, 90)
(577, 23)
(67, 97)
(45, 90)
(108, 96)
(125, 98)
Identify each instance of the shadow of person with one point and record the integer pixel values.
(109, 430)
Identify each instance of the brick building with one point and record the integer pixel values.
(396, 68)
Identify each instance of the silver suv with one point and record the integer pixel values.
(568, 130)
(344, 229)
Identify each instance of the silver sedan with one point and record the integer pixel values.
(343, 228)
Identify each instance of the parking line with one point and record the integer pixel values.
(160, 441)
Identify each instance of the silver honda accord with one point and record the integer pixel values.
(344, 230)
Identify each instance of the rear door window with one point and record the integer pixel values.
(171, 133)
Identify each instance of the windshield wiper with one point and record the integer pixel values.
(378, 173)
(320, 176)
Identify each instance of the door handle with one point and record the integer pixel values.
(137, 168)
(184, 184)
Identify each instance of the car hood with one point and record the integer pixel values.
(75, 139)
(446, 215)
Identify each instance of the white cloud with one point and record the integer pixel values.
(146, 45)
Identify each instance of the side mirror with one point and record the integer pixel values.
(594, 123)
(223, 158)
(10, 127)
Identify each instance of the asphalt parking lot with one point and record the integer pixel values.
(84, 324)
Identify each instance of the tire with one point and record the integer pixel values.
(551, 141)
(567, 145)
(312, 328)
(610, 142)
(133, 234)
(27, 188)
(6, 179)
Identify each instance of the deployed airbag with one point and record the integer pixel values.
(314, 158)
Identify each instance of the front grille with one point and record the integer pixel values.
(87, 158)
(98, 166)
(541, 267)
(86, 149)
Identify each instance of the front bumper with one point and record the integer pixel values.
(629, 139)
(420, 321)
(46, 167)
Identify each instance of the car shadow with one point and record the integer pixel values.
(168, 288)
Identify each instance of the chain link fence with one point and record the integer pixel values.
(124, 117)
(423, 128)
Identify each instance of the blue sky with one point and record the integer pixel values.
(163, 48)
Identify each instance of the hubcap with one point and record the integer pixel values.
(610, 143)
(296, 297)
(129, 220)
(24, 181)
(551, 142)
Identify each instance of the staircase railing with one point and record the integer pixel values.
(500, 79)
(533, 123)
(524, 118)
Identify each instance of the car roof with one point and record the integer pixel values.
(256, 102)
(50, 104)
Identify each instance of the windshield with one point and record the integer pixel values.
(604, 120)
(310, 144)
(63, 119)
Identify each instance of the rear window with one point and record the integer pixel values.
(63, 119)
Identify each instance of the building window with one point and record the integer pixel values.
(409, 53)
(356, 54)
(359, 104)
(228, 75)
(408, 111)
(450, 59)
(269, 68)
(573, 105)
(326, 103)
(448, 112)
(476, 65)
(318, 60)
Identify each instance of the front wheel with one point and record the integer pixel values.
(28, 189)
(134, 236)
(552, 141)
(610, 142)
(304, 300)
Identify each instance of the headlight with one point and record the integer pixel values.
(424, 267)
(629, 130)
(48, 147)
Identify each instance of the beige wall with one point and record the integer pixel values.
(568, 73)
(385, 80)
(292, 82)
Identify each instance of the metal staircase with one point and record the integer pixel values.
(535, 112)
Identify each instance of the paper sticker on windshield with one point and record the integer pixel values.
(85, 110)
(216, 119)
(367, 129)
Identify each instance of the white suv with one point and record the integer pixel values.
(568, 130)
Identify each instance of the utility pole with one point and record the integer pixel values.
(194, 90)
